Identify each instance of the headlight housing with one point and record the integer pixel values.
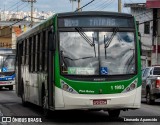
(131, 86)
(67, 88)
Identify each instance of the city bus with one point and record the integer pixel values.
(7, 68)
(81, 61)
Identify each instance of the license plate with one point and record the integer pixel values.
(100, 102)
(3, 83)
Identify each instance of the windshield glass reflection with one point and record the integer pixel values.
(97, 53)
(7, 63)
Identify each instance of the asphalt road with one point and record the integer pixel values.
(10, 105)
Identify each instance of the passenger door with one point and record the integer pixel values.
(51, 68)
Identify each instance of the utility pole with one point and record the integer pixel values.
(119, 6)
(79, 4)
(31, 1)
(31, 13)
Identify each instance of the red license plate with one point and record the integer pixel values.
(2, 82)
(100, 102)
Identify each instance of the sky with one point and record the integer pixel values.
(64, 5)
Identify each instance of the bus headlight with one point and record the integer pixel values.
(67, 88)
(131, 87)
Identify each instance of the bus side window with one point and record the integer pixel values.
(30, 45)
(46, 51)
(23, 53)
(34, 52)
(51, 43)
(38, 52)
(27, 51)
(43, 50)
(20, 54)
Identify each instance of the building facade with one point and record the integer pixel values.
(10, 29)
(144, 19)
(155, 6)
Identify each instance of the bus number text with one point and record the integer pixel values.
(117, 87)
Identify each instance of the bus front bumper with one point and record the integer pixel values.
(6, 83)
(68, 101)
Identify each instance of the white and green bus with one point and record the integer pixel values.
(81, 60)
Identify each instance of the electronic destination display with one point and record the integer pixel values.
(96, 22)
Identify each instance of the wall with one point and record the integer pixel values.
(156, 57)
(5, 37)
(142, 15)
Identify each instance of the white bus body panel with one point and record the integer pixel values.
(128, 100)
(31, 88)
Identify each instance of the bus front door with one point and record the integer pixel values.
(51, 69)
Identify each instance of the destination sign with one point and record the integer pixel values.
(96, 22)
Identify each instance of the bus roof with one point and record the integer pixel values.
(95, 13)
(49, 21)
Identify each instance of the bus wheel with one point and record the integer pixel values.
(44, 105)
(114, 113)
(10, 87)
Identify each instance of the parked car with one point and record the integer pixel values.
(151, 84)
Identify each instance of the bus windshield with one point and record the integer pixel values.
(7, 63)
(97, 52)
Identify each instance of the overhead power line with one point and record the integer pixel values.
(143, 13)
(16, 7)
(31, 1)
(12, 6)
(13, 23)
(99, 6)
(16, 23)
(110, 2)
(149, 20)
(84, 5)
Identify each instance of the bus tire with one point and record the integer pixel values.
(44, 104)
(10, 87)
(114, 113)
(149, 99)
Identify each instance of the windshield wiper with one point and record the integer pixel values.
(109, 40)
(86, 38)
